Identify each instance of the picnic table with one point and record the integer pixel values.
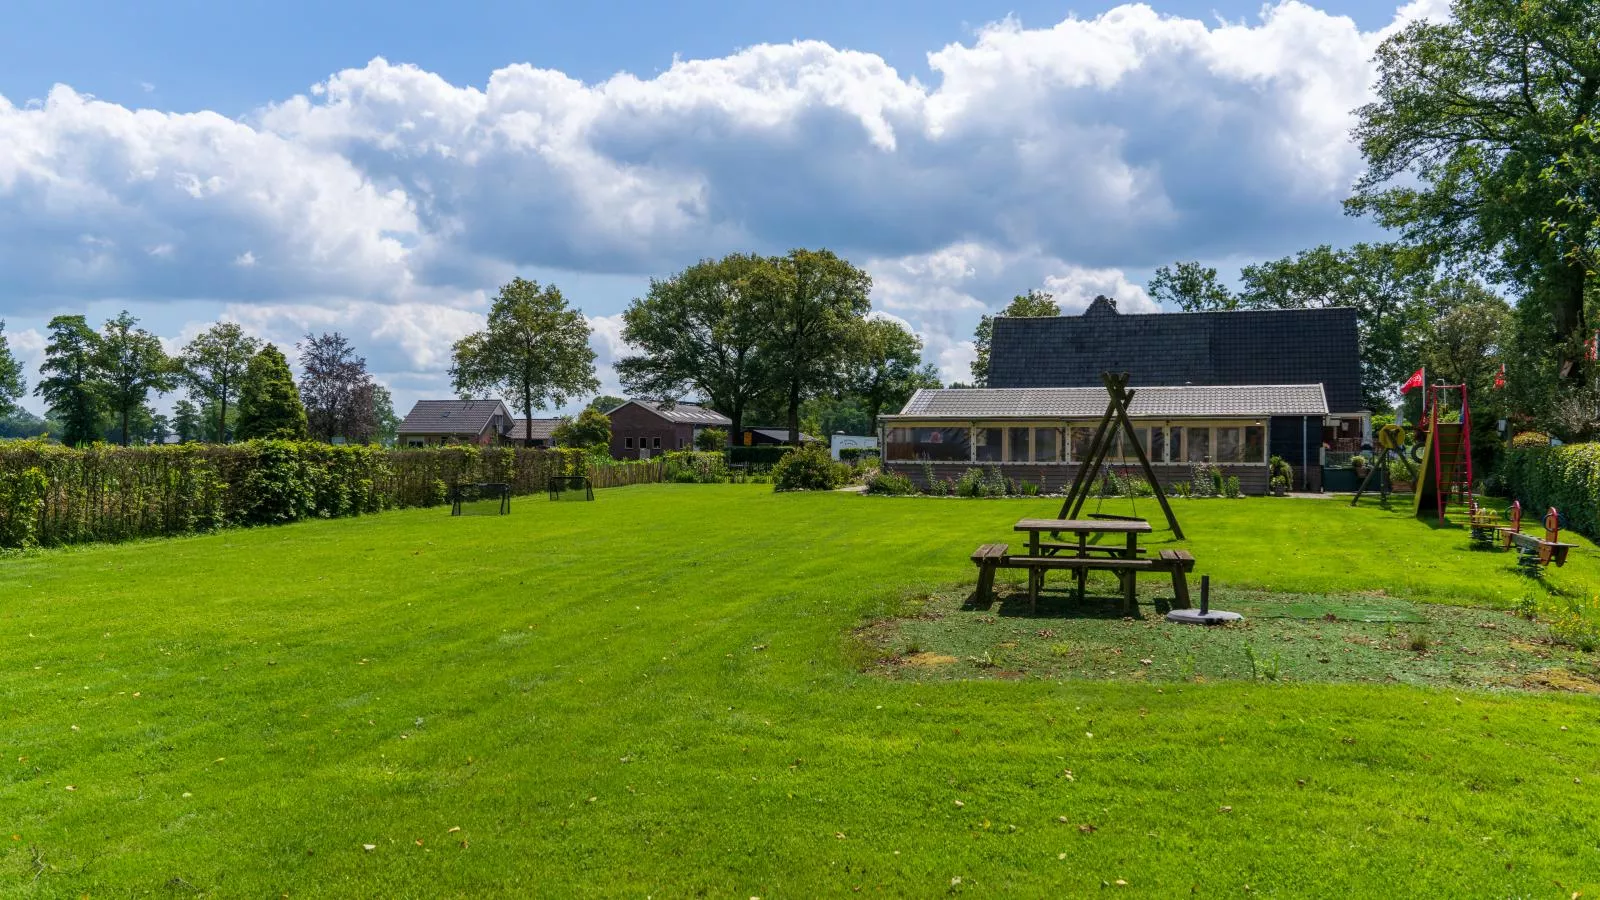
(1126, 558)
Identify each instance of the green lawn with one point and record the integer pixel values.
(663, 693)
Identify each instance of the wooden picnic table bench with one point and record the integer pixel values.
(1081, 558)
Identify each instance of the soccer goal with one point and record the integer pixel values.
(482, 499)
(571, 487)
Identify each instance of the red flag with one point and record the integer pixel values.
(1593, 347)
(1500, 378)
(1415, 381)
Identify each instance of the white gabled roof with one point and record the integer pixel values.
(1209, 402)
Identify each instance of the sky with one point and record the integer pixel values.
(379, 168)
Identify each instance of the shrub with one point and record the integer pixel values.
(808, 469)
(699, 467)
(1566, 477)
(1230, 487)
(761, 455)
(1028, 489)
(21, 501)
(1529, 439)
(591, 430)
(1399, 473)
(860, 456)
(711, 440)
(1205, 480)
(891, 483)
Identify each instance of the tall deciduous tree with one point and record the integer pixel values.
(186, 422)
(213, 365)
(1387, 284)
(385, 419)
(269, 405)
(71, 382)
(1463, 345)
(885, 367)
(812, 302)
(1191, 287)
(336, 389)
(535, 352)
(1469, 113)
(605, 403)
(1033, 303)
(12, 385)
(699, 331)
(132, 364)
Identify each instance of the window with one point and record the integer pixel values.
(1255, 444)
(1199, 441)
(416, 442)
(1017, 444)
(930, 444)
(1046, 444)
(627, 443)
(1081, 438)
(1230, 445)
(1158, 445)
(1126, 451)
(657, 443)
(987, 443)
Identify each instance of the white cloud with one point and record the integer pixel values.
(386, 199)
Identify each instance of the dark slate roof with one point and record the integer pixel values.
(451, 416)
(1242, 347)
(542, 428)
(782, 434)
(1244, 401)
(689, 413)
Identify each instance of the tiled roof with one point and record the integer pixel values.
(451, 416)
(690, 413)
(542, 428)
(1247, 401)
(1241, 347)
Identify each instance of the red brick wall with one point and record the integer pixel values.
(638, 423)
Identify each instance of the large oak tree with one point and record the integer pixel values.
(213, 365)
(132, 363)
(535, 352)
(71, 382)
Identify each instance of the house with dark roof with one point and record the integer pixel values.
(760, 437)
(1231, 389)
(541, 432)
(641, 429)
(434, 422)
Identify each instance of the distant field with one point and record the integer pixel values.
(674, 691)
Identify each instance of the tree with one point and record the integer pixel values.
(591, 430)
(186, 422)
(1191, 287)
(337, 391)
(1388, 285)
(711, 439)
(160, 428)
(132, 364)
(813, 303)
(822, 416)
(12, 385)
(384, 417)
(217, 427)
(535, 352)
(269, 405)
(1469, 113)
(886, 368)
(699, 331)
(605, 403)
(1033, 303)
(1463, 345)
(72, 383)
(213, 365)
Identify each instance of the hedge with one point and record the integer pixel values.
(759, 454)
(1566, 477)
(52, 495)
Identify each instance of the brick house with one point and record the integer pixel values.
(542, 432)
(641, 429)
(434, 422)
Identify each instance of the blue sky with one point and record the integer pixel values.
(378, 167)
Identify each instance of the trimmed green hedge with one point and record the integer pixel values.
(1566, 477)
(52, 495)
(758, 455)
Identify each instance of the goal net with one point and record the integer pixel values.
(570, 487)
(480, 500)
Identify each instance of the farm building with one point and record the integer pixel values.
(641, 429)
(1231, 388)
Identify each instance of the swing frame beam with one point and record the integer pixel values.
(1114, 421)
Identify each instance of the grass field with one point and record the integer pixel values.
(664, 693)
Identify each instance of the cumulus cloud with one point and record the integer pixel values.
(387, 199)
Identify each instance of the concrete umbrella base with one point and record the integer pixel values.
(1203, 617)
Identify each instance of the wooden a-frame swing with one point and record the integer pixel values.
(1114, 421)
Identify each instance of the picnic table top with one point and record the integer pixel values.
(1086, 526)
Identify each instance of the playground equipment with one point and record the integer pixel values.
(1533, 552)
(480, 499)
(1090, 469)
(1446, 477)
(1391, 443)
